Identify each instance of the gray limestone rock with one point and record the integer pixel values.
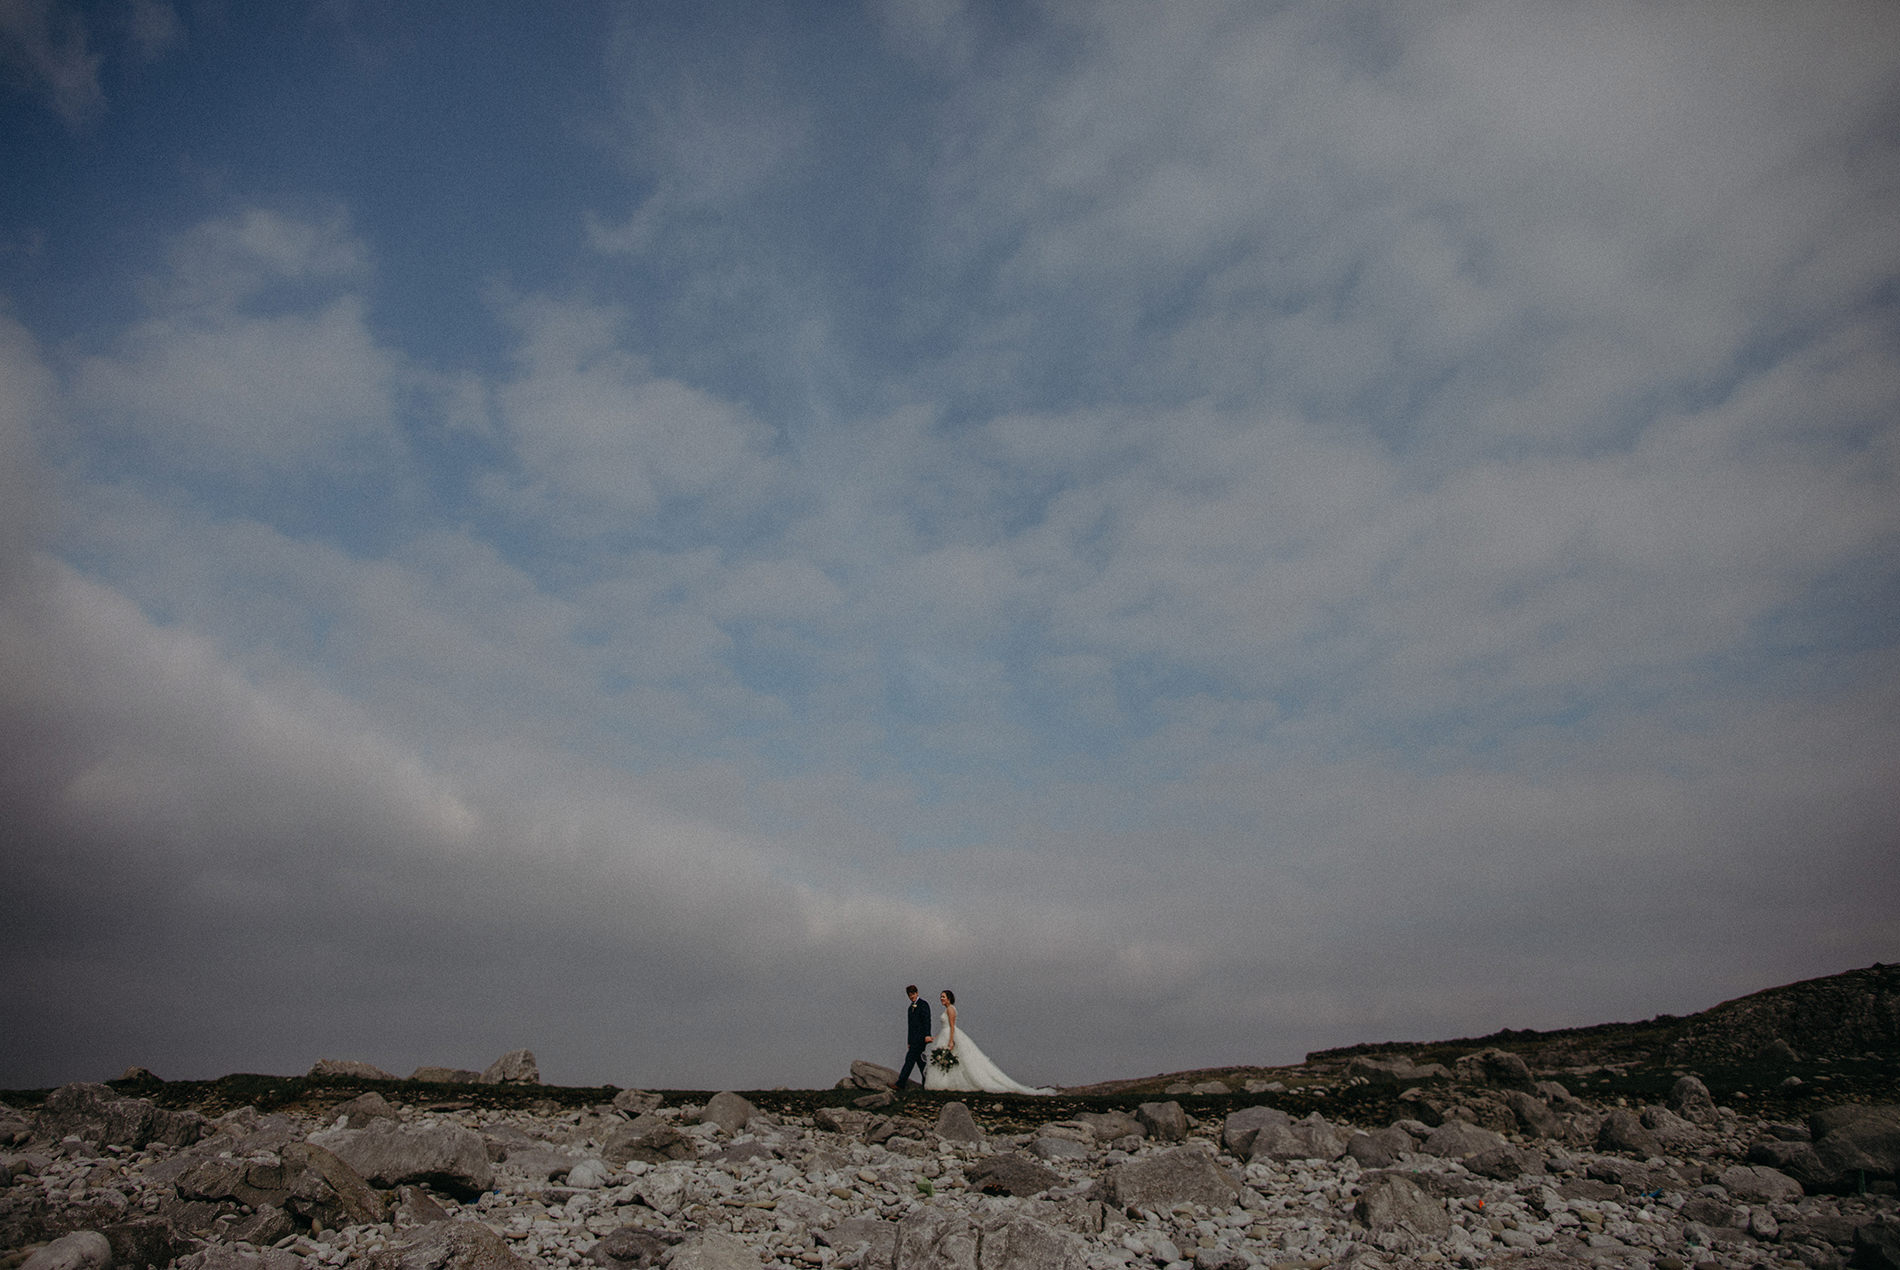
(1179, 1175)
(1757, 1183)
(1394, 1203)
(386, 1153)
(1011, 1174)
(1534, 1115)
(1504, 1163)
(637, 1102)
(1861, 1142)
(1457, 1140)
(1163, 1121)
(869, 1075)
(1494, 1067)
(96, 1115)
(956, 1124)
(1309, 1139)
(876, 1238)
(710, 1250)
(446, 1076)
(729, 1111)
(363, 1108)
(1046, 1148)
(1690, 1099)
(516, 1067)
(325, 1191)
(931, 1239)
(448, 1245)
(649, 1139)
(348, 1069)
(632, 1248)
(222, 1257)
(1110, 1126)
(81, 1250)
(1622, 1130)
(1241, 1127)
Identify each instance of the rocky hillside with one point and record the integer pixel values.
(1841, 1016)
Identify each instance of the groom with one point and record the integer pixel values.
(918, 1016)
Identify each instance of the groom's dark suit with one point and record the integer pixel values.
(919, 1017)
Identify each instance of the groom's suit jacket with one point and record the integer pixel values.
(919, 1023)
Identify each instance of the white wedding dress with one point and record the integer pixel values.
(974, 1072)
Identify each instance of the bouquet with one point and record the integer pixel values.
(943, 1060)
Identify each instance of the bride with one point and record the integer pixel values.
(973, 1072)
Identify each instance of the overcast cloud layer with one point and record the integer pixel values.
(1213, 530)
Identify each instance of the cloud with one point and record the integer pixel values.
(46, 51)
(257, 356)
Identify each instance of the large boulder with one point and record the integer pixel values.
(956, 1124)
(1240, 1128)
(1163, 1121)
(516, 1067)
(326, 1192)
(1859, 1140)
(648, 1138)
(869, 1075)
(1622, 1130)
(81, 1250)
(1392, 1202)
(1180, 1175)
(1011, 1173)
(1495, 1067)
(1110, 1126)
(101, 1117)
(1759, 1184)
(1309, 1139)
(348, 1069)
(1533, 1114)
(1690, 1099)
(710, 1250)
(729, 1111)
(446, 1156)
(1456, 1140)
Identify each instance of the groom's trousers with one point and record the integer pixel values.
(913, 1057)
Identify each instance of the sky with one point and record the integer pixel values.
(635, 530)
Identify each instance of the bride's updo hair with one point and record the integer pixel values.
(949, 996)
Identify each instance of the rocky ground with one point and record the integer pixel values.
(1378, 1157)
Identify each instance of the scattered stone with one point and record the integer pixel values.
(1240, 1129)
(649, 1140)
(1777, 1051)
